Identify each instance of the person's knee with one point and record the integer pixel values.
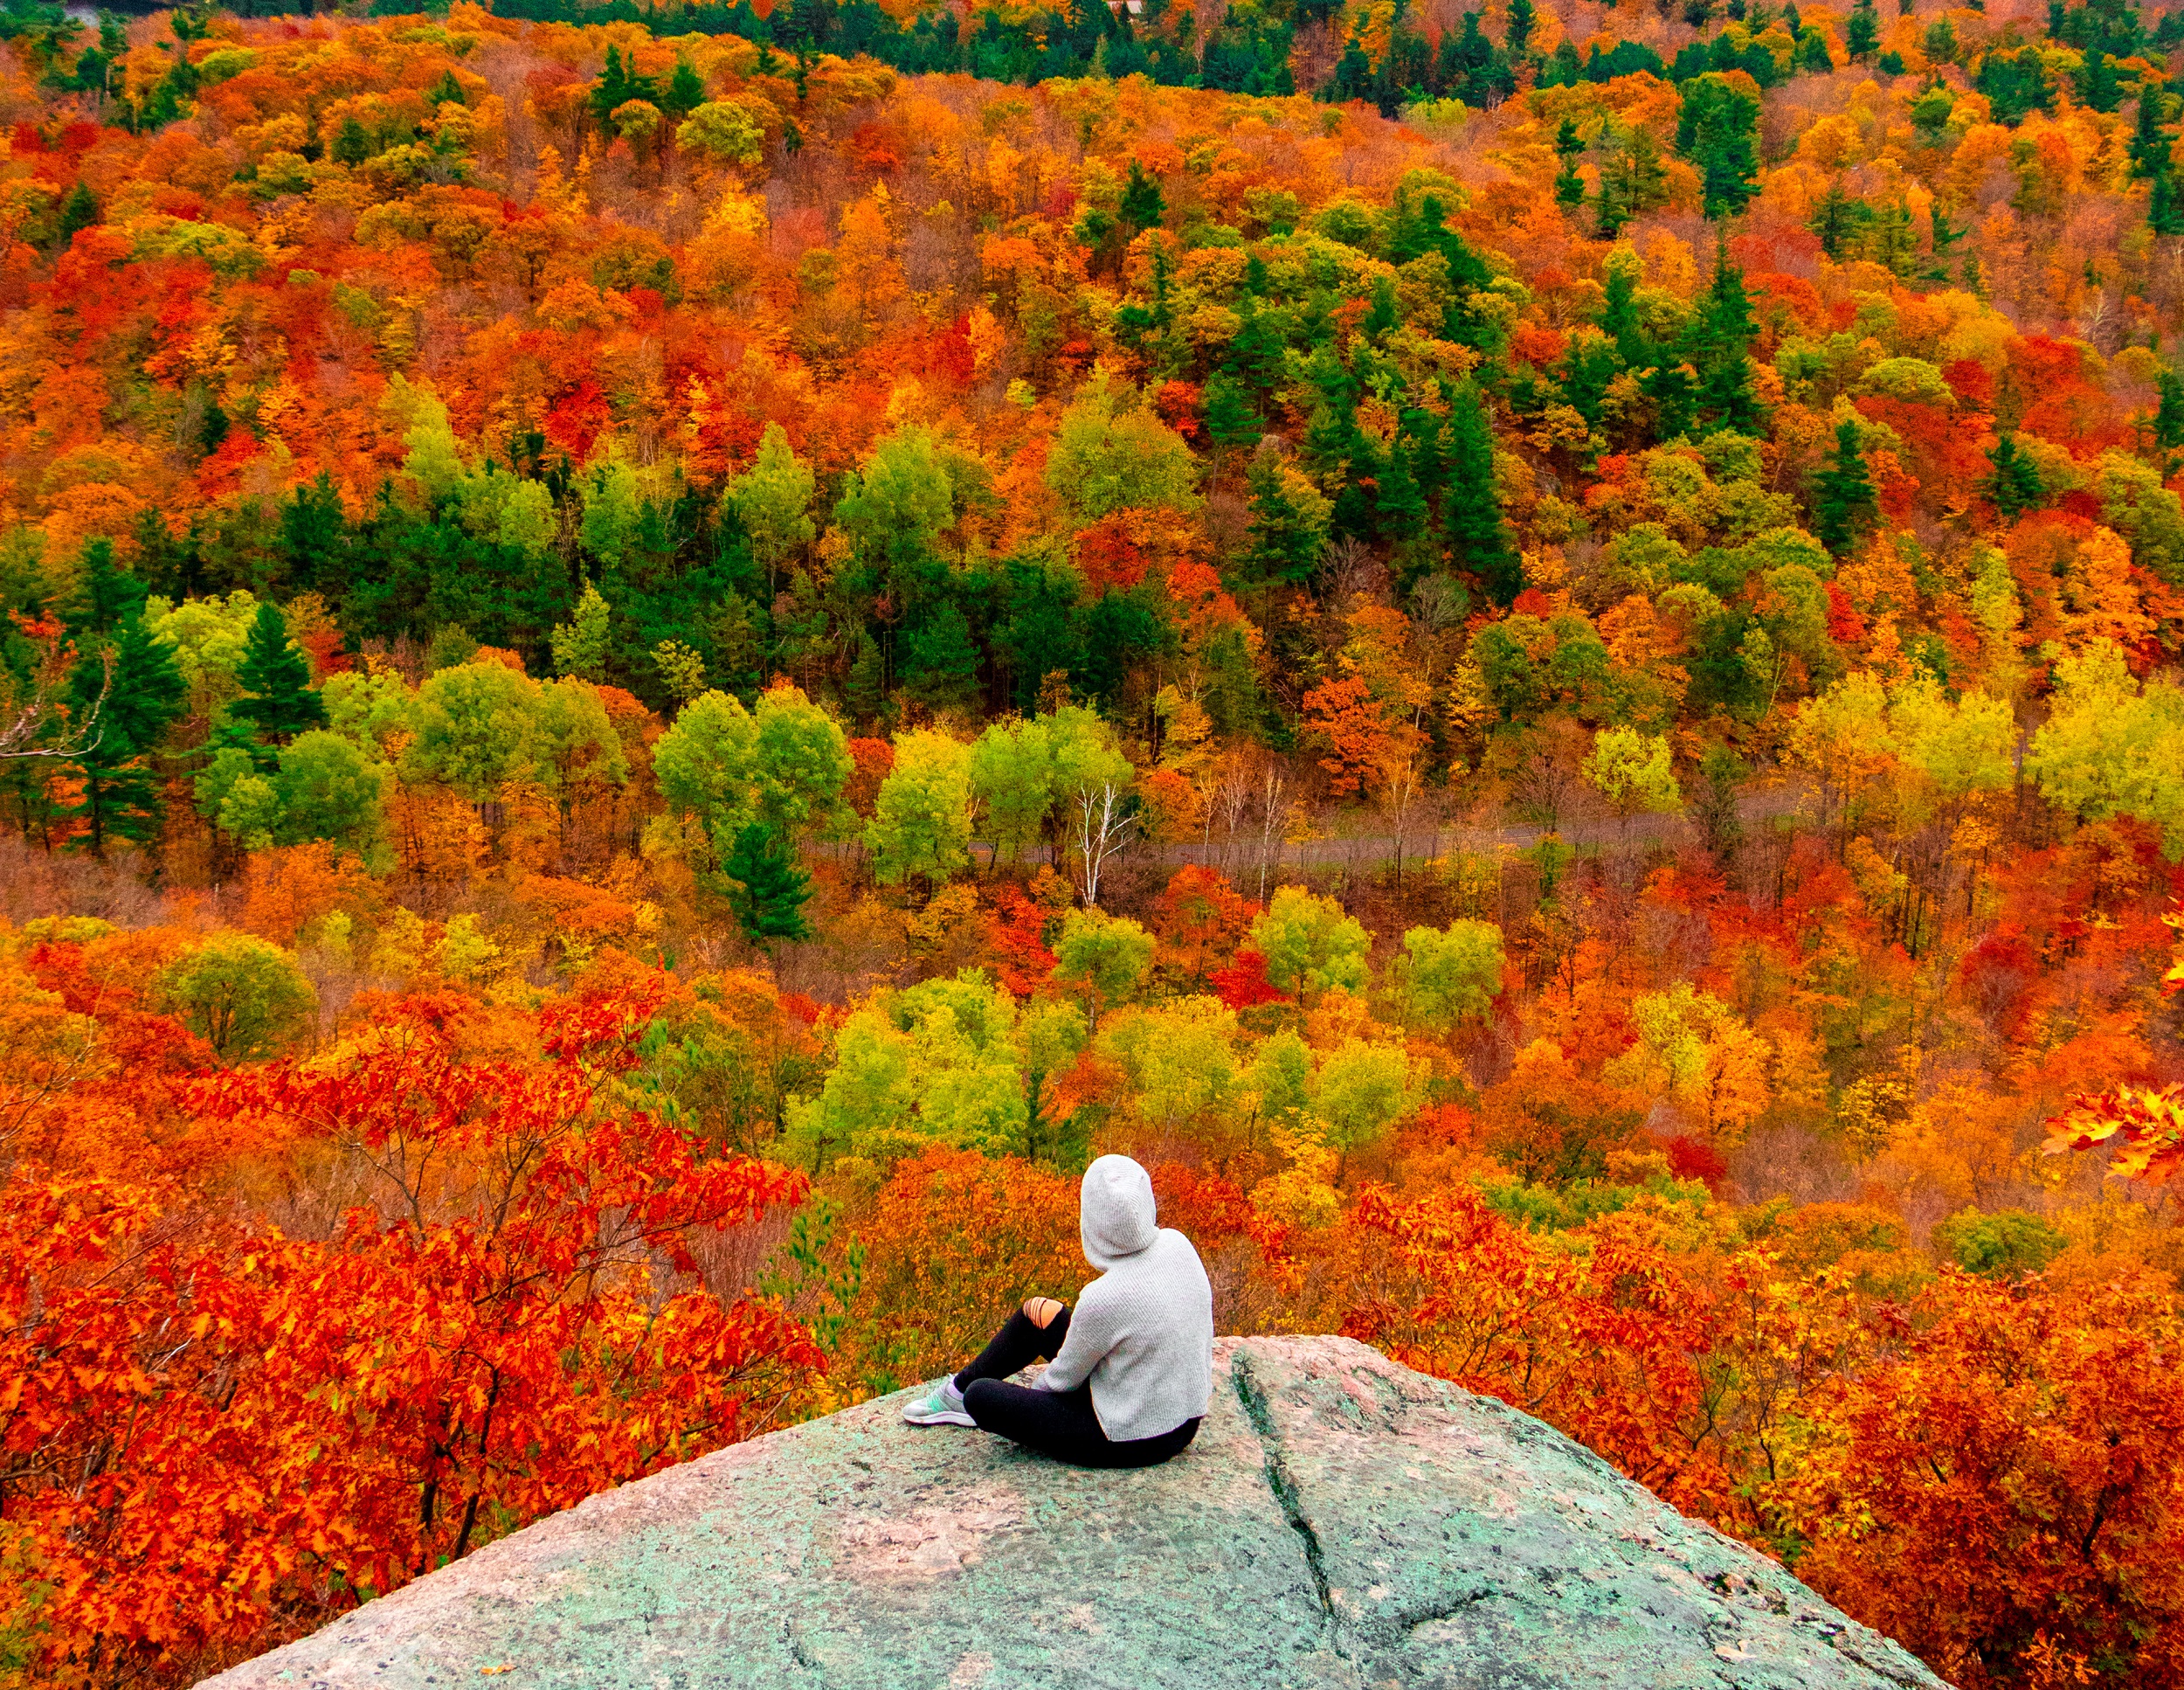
(1041, 1311)
(981, 1394)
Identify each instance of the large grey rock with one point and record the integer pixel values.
(1340, 1522)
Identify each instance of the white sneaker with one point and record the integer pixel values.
(943, 1408)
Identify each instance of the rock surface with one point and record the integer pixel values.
(1340, 1522)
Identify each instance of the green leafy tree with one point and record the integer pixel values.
(2006, 1243)
(773, 499)
(1635, 771)
(1106, 957)
(1310, 945)
(243, 996)
(921, 821)
(328, 788)
(1358, 1090)
(1113, 453)
(1451, 975)
(1013, 779)
(769, 888)
(472, 727)
(2112, 747)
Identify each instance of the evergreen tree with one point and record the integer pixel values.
(1288, 521)
(78, 210)
(1837, 219)
(2098, 86)
(1353, 75)
(278, 699)
(1943, 238)
(2015, 487)
(2169, 419)
(1471, 514)
(1516, 35)
(1717, 130)
(1722, 350)
(685, 92)
(1399, 507)
(1813, 57)
(1142, 206)
(864, 688)
(352, 145)
(940, 659)
(1569, 185)
(106, 594)
(767, 888)
(1633, 180)
(1862, 33)
(1843, 505)
(143, 692)
(1619, 312)
(2165, 205)
(2150, 142)
(1230, 417)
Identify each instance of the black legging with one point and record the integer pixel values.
(1059, 1423)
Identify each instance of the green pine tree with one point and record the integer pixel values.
(865, 688)
(352, 145)
(106, 594)
(1717, 130)
(78, 210)
(1843, 505)
(2015, 487)
(135, 699)
(1143, 206)
(2165, 205)
(2169, 419)
(1471, 514)
(940, 659)
(1862, 33)
(278, 699)
(1569, 185)
(767, 888)
(1522, 17)
(1722, 350)
(1229, 417)
(686, 90)
(2150, 142)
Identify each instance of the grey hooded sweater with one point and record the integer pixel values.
(1143, 1331)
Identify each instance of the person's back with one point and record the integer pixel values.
(1147, 1324)
(1129, 1370)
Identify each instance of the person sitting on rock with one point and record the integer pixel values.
(1129, 1370)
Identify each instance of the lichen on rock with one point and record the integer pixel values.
(1340, 1521)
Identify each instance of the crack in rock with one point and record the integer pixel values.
(1279, 1480)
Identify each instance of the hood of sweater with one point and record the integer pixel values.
(1116, 1215)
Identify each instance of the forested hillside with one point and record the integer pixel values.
(659, 662)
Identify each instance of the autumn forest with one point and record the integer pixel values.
(660, 661)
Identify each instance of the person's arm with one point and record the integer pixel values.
(1092, 1334)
